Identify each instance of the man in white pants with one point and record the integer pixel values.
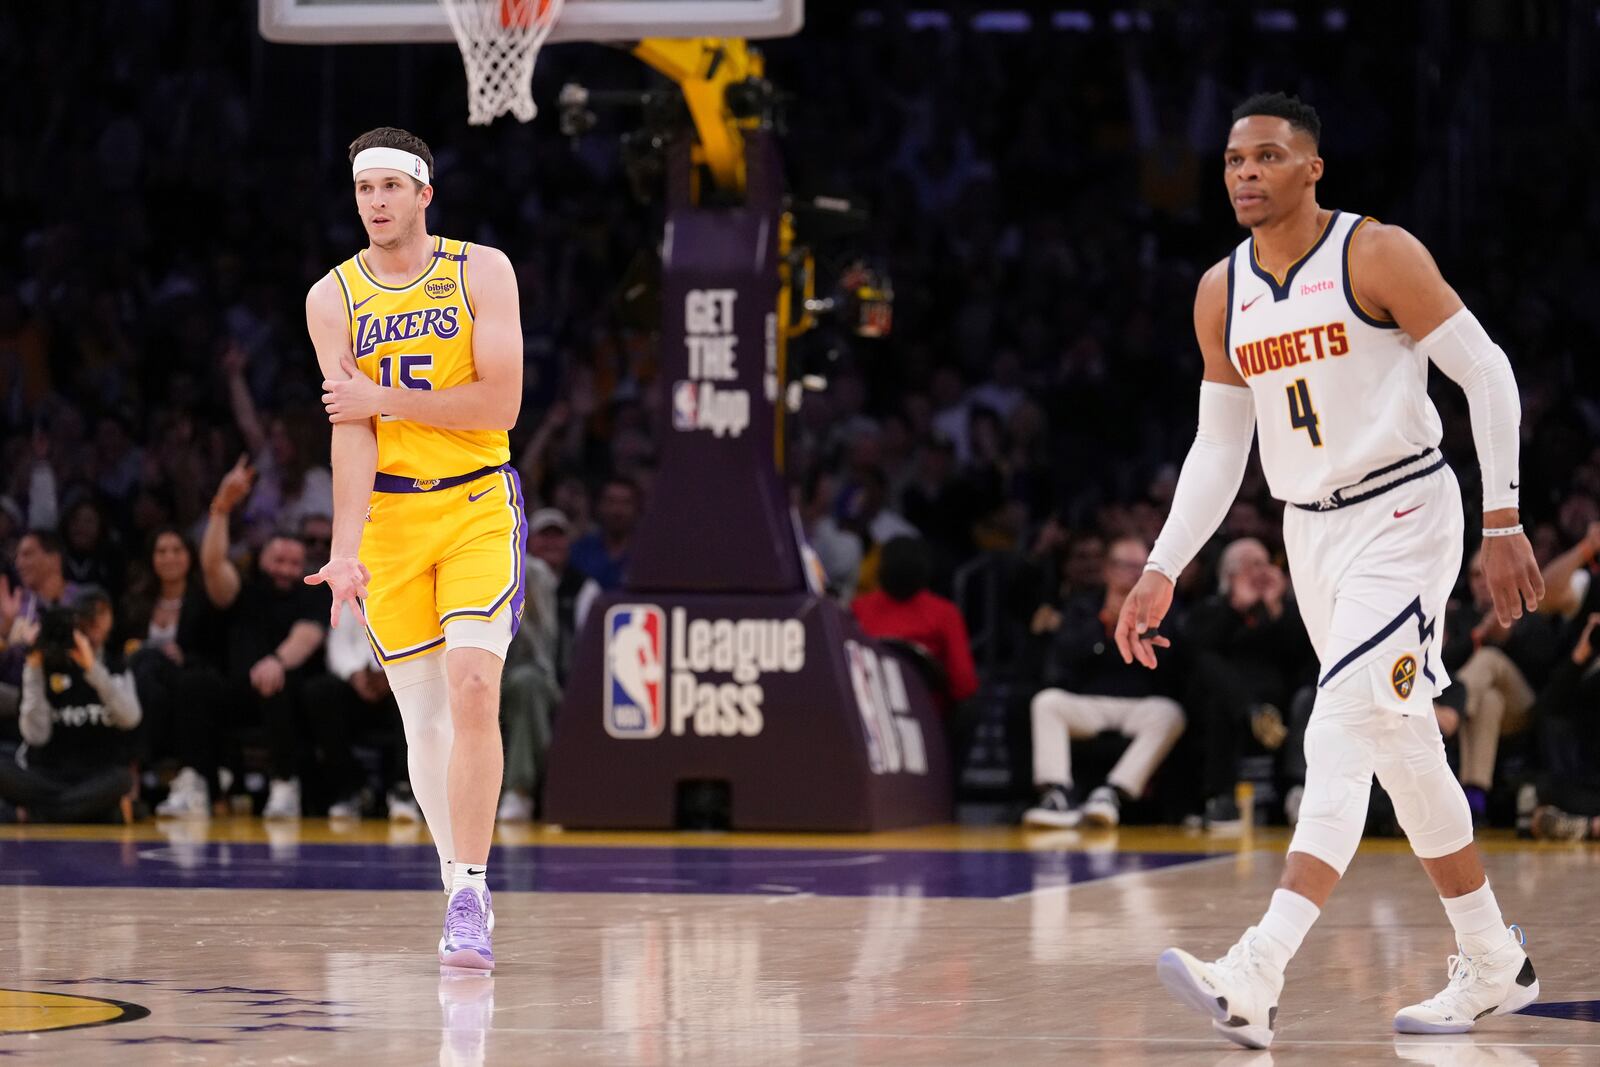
(1317, 332)
(1112, 698)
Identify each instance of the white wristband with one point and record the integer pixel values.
(1502, 531)
(1161, 570)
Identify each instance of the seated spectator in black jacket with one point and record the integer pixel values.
(1250, 653)
(271, 628)
(1089, 690)
(354, 695)
(1569, 713)
(168, 627)
(77, 711)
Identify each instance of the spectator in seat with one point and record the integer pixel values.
(1088, 689)
(272, 626)
(838, 550)
(1569, 712)
(354, 692)
(42, 585)
(91, 554)
(77, 711)
(537, 665)
(1250, 652)
(1495, 664)
(603, 554)
(170, 629)
(903, 608)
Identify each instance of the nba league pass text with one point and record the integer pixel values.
(647, 675)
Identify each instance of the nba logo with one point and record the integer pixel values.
(685, 406)
(635, 705)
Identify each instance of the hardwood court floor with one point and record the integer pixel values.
(232, 944)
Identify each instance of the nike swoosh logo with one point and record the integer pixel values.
(357, 305)
(1242, 307)
(475, 871)
(1402, 514)
(1515, 484)
(479, 496)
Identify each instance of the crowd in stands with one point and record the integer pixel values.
(1045, 203)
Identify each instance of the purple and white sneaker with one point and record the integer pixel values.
(468, 922)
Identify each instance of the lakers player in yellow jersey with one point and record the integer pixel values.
(420, 344)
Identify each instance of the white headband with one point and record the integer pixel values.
(390, 159)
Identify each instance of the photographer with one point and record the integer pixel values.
(76, 716)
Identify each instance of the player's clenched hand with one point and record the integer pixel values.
(1513, 576)
(356, 397)
(1146, 604)
(346, 578)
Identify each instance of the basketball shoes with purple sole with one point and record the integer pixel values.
(468, 922)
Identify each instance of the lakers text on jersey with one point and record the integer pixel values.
(419, 336)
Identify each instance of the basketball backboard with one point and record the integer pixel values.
(370, 21)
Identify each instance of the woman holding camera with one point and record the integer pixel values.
(75, 719)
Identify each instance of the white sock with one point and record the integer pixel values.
(473, 876)
(1476, 917)
(1286, 923)
(423, 697)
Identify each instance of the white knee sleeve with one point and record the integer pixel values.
(491, 635)
(1341, 753)
(1428, 801)
(423, 695)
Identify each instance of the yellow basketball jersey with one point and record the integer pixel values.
(419, 336)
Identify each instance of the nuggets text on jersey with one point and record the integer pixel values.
(1285, 350)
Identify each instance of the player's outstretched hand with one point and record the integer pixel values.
(1146, 604)
(346, 578)
(1513, 576)
(353, 398)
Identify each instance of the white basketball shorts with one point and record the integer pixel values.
(1372, 578)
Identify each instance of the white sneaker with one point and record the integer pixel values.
(403, 807)
(348, 808)
(283, 799)
(1495, 983)
(1239, 992)
(188, 798)
(1102, 808)
(515, 807)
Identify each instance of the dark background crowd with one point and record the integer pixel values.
(1045, 193)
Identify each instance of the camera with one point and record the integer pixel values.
(56, 639)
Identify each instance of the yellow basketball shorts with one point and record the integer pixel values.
(441, 551)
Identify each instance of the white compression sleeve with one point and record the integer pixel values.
(1210, 477)
(1463, 350)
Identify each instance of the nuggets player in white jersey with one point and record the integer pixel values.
(420, 343)
(1317, 332)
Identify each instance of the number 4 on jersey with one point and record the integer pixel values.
(1302, 416)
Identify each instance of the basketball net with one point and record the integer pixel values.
(500, 41)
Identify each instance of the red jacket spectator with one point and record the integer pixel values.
(905, 609)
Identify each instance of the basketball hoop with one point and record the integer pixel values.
(499, 42)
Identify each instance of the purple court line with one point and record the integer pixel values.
(571, 868)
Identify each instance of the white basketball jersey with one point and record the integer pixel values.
(1339, 393)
